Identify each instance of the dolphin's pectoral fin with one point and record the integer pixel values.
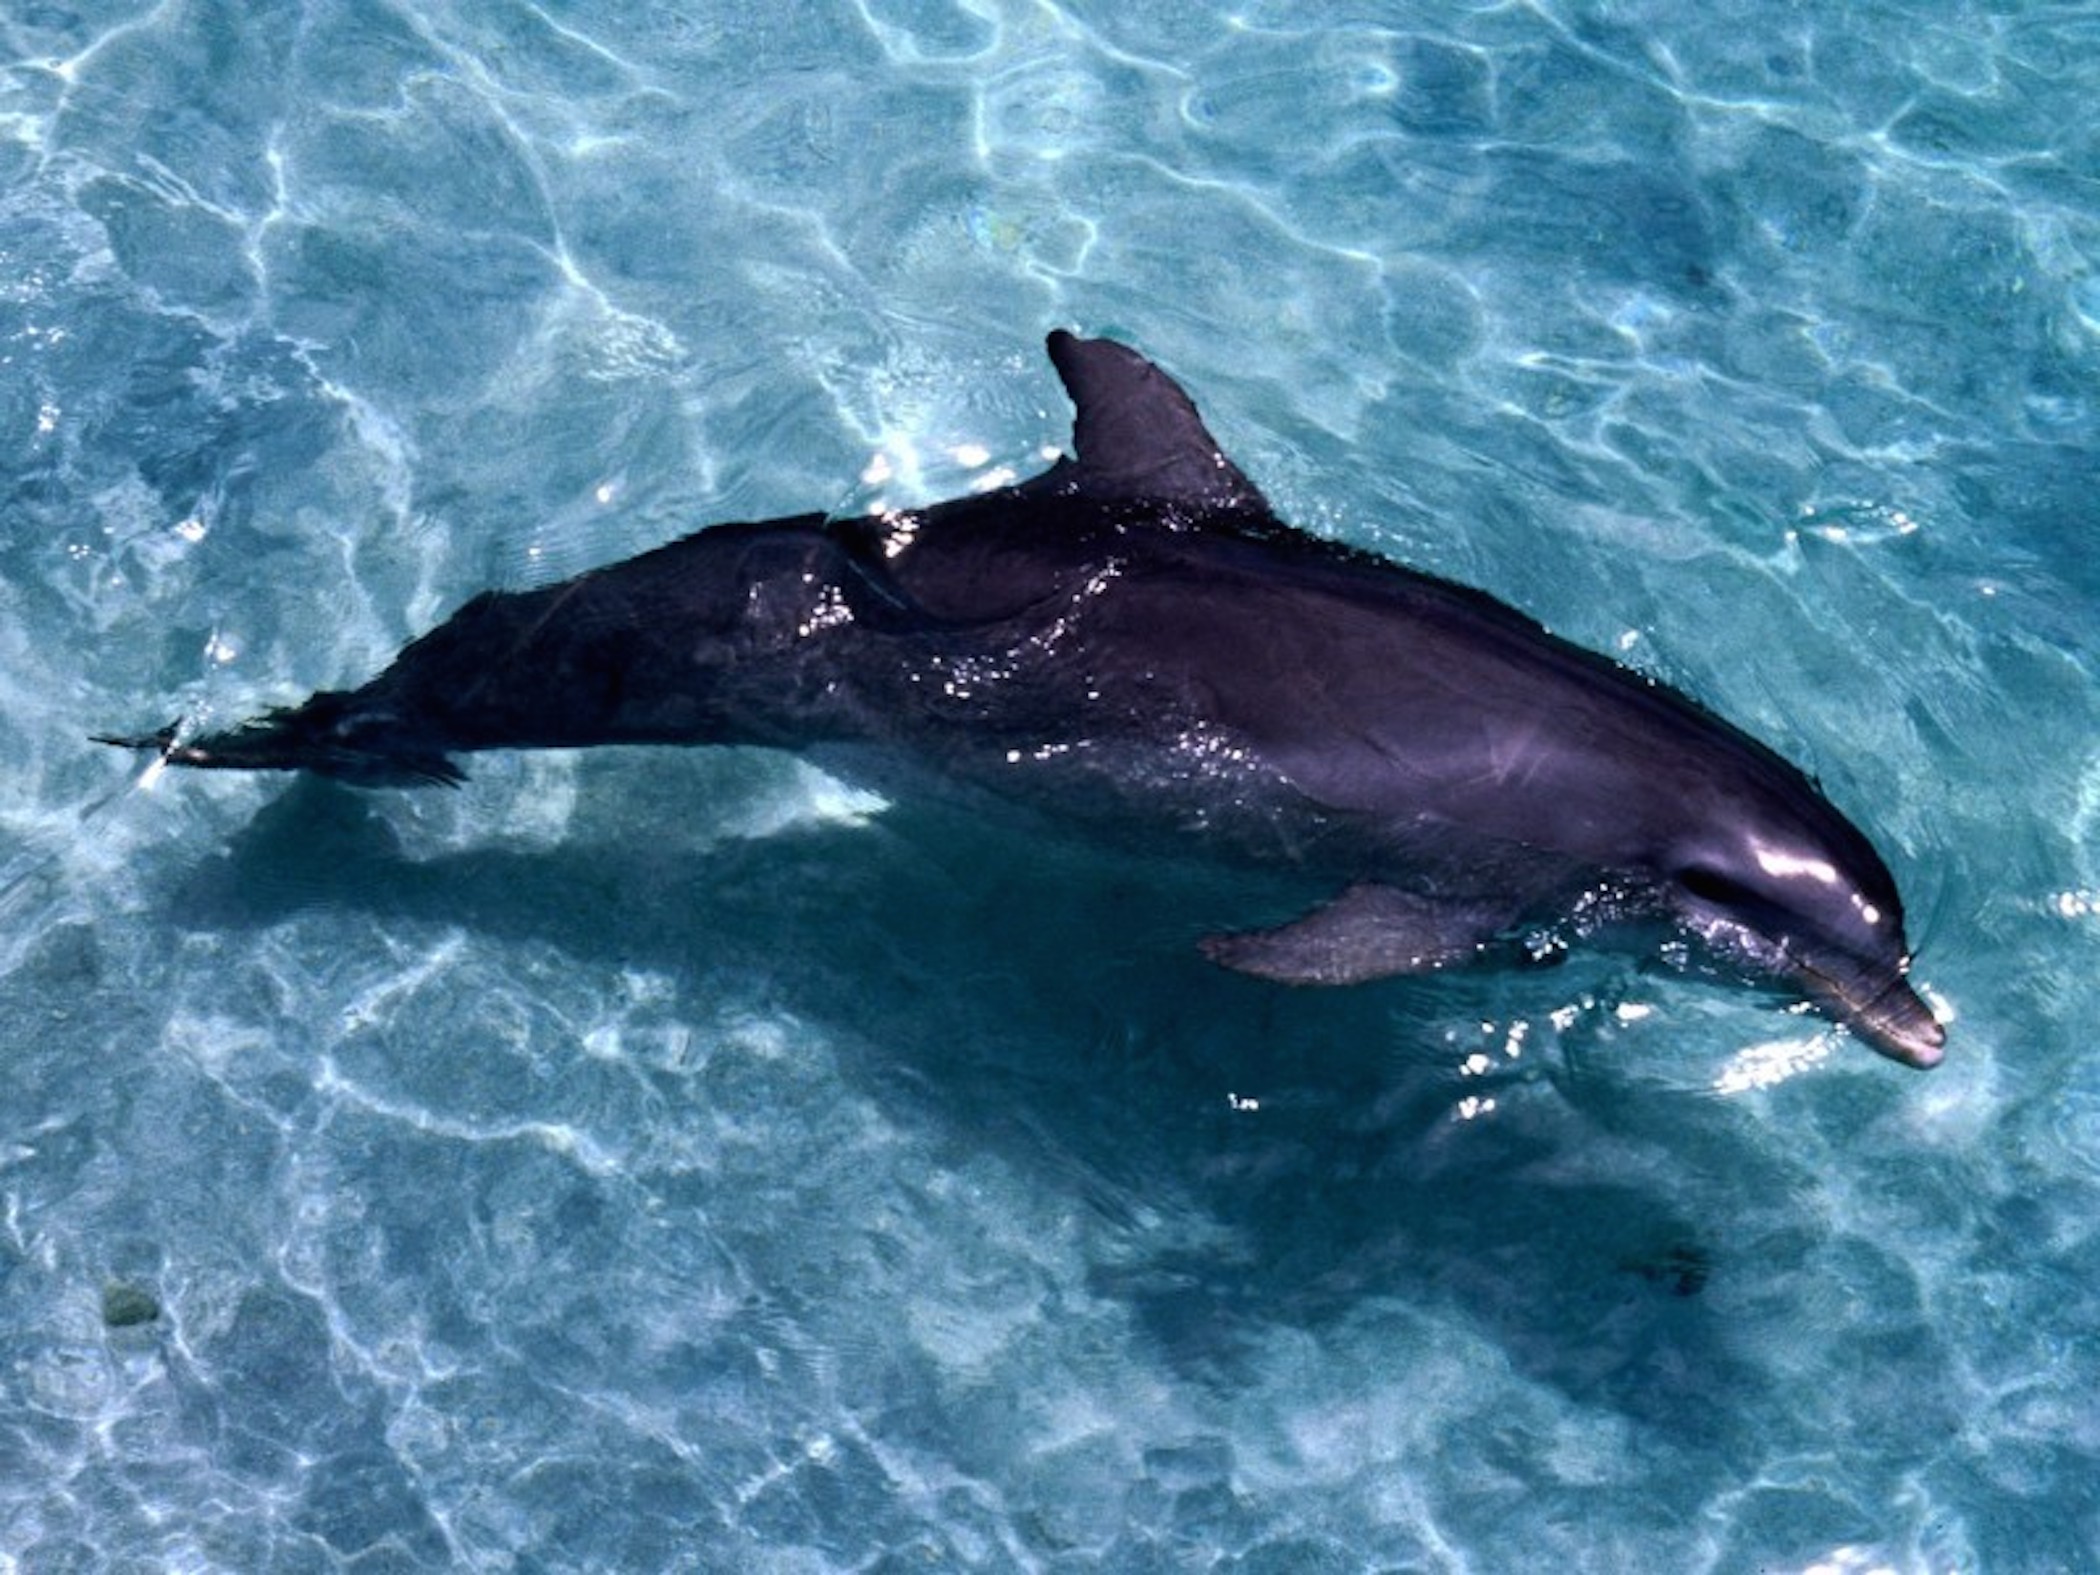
(1368, 932)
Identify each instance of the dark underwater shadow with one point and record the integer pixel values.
(1047, 1002)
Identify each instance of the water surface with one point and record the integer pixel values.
(659, 1160)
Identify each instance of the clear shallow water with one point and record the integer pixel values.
(657, 1160)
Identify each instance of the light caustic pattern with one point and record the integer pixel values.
(682, 1162)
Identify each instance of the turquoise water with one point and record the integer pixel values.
(659, 1160)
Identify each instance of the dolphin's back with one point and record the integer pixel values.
(1368, 689)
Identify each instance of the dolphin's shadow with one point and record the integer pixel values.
(1353, 1181)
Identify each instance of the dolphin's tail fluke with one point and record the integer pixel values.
(334, 734)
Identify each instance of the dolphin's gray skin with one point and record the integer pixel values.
(1133, 641)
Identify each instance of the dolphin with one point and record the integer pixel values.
(1131, 641)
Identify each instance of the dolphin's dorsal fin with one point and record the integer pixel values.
(1137, 435)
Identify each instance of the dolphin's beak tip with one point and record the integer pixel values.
(1917, 1040)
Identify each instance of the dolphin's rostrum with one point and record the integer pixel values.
(1134, 642)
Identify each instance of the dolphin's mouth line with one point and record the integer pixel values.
(1890, 1032)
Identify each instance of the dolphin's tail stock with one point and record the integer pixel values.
(336, 733)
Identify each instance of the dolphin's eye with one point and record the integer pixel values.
(1710, 885)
